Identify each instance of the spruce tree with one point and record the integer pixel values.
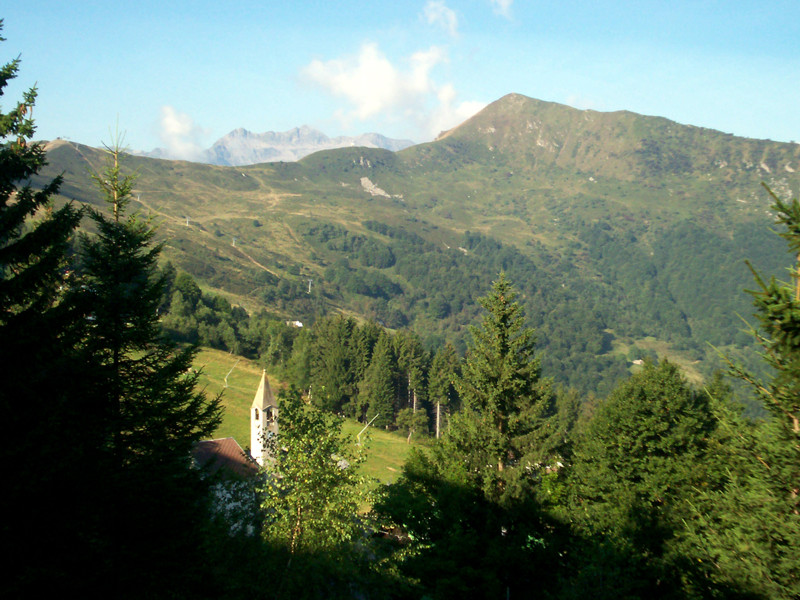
(146, 391)
(444, 369)
(50, 435)
(499, 383)
(748, 531)
(377, 390)
(412, 364)
(634, 473)
(468, 502)
(331, 362)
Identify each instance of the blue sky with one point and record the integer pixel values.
(179, 75)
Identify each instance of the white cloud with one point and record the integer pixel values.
(448, 113)
(436, 13)
(181, 136)
(582, 102)
(502, 7)
(373, 88)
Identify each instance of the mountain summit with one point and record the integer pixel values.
(539, 135)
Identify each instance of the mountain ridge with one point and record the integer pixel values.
(559, 135)
(242, 147)
(622, 231)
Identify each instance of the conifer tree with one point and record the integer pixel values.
(377, 390)
(298, 369)
(634, 473)
(366, 336)
(331, 362)
(499, 384)
(412, 363)
(51, 440)
(444, 370)
(153, 405)
(145, 389)
(646, 443)
(468, 503)
(748, 532)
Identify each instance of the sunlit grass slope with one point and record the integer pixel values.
(386, 451)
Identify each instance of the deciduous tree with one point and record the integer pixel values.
(312, 495)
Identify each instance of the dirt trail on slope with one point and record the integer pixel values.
(179, 221)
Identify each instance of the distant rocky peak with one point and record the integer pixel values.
(243, 147)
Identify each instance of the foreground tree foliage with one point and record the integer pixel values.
(41, 405)
(311, 499)
(101, 415)
(468, 504)
(633, 473)
(153, 414)
(748, 532)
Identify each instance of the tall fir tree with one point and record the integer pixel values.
(748, 531)
(366, 336)
(468, 502)
(331, 362)
(377, 390)
(499, 384)
(153, 412)
(412, 364)
(445, 367)
(51, 434)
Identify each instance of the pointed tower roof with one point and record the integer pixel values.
(264, 396)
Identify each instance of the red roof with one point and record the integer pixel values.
(226, 454)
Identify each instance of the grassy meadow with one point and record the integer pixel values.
(386, 451)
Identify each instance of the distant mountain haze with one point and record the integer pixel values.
(242, 147)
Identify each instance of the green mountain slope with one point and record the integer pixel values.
(623, 232)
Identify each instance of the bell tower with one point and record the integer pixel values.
(263, 419)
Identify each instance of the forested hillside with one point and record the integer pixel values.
(625, 234)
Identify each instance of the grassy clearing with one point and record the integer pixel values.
(214, 365)
(663, 350)
(386, 451)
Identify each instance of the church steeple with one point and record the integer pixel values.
(263, 418)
